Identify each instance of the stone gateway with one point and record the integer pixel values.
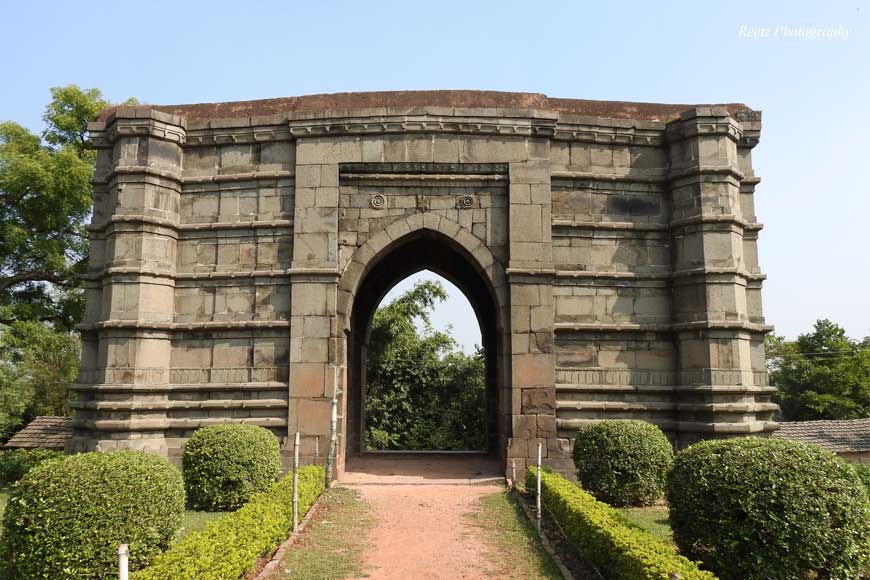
(239, 250)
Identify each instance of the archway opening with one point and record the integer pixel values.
(423, 250)
(425, 371)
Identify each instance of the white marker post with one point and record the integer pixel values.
(296, 482)
(513, 474)
(333, 433)
(123, 562)
(538, 493)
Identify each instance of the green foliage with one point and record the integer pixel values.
(13, 401)
(421, 391)
(68, 114)
(769, 509)
(224, 465)
(67, 517)
(37, 367)
(617, 548)
(230, 546)
(623, 462)
(16, 463)
(863, 471)
(45, 200)
(822, 375)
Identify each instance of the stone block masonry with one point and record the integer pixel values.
(238, 251)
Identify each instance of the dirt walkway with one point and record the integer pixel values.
(423, 532)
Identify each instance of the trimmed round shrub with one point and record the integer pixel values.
(15, 463)
(67, 517)
(769, 509)
(224, 465)
(623, 462)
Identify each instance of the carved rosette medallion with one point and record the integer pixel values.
(378, 201)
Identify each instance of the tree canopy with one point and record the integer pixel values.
(822, 375)
(37, 367)
(422, 392)
(45, 201)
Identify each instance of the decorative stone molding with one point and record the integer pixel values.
(594, 274)
(570, 426)
(202, 387)
(121, 175)
(423, 180)
(168, 326)
(703, 121)
(601, 133)
(423, 168)
(238, 136)
(735, 325)
(230, 177)
(211, 404)
(669, 406)
(569, 224)
(227, 377)
(239, 225)
(604, 376)
(139, 121)
(110, 425)
(519, 126)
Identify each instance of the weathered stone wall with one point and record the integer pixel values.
(612, 246)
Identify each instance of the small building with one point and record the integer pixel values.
(849, 439)
(44, 432)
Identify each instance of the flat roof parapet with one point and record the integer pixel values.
(459, 102)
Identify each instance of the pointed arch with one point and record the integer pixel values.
(406, 246)
(407, 229)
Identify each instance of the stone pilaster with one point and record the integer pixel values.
(530, 274)
(317, 347)
(130, 284)
(722, 386)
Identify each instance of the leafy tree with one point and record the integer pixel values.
(422, 392)
(37, 367)
(822, 375)
(45, 200)
(13, 401)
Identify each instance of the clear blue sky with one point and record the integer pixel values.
(814, 157)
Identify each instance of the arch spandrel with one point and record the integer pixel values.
(398, 232)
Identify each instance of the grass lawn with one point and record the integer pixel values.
(332, 546)
(512, 540)
(653, 519)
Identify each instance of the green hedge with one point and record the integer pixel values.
(15, 463)
(618, 549)
(66, 517)
(224, 465)
(231, 545)
(755, 508)
(623, 462)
